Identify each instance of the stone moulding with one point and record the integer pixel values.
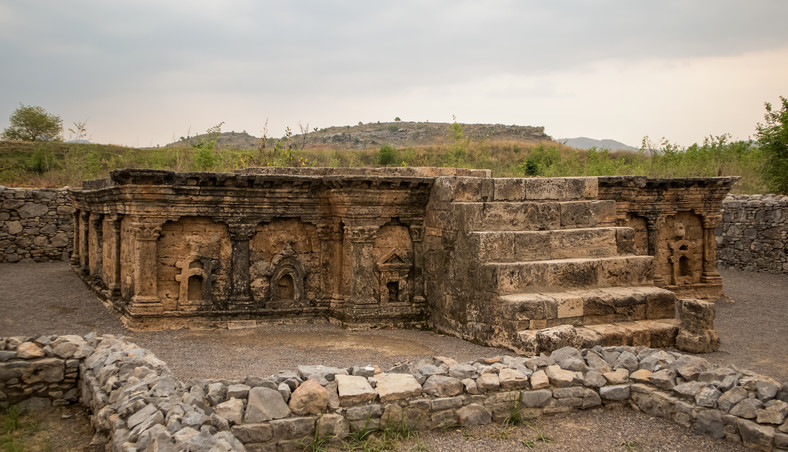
(492, 260)
(138, 404)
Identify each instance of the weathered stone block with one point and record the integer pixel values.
(397, 386)
(354, 389)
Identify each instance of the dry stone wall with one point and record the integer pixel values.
(753, 235)
(41, 371)
(36, 225)
(138, 405)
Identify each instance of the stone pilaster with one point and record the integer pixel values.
(417, 237)
(240, 234)
(654, 223)
(84, 243)
(330, 237)
(146, 299)
(96, 246)
(76, 244)
(710, 274)
(112, 278)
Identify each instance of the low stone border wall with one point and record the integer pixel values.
(40, 371)
(753, 234)
(138, 405)
(36, 224)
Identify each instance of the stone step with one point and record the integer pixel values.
(554, 275)
(534, 216)
(648, 333)
(544, 188)
(585, 307)
(479, 189)
(511, 246)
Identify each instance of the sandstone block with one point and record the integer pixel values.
(773, 414)
(756, 436)
(558, 377)
(309, 398)
(397, 386)
(488, 381)
(29, 350)
(536, 399)
(512, 379)
(264, 405)
(550, 339)
(696, 328)
(473, 414)
(747, 408)
(232, 410)
(617, 377)
(443, 386)
(238, 391)
(332, 425)
(614, 392)
(731, 397)
(709, 422)
(354, 389)
(462, 371)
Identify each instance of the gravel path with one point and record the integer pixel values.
(48, 298)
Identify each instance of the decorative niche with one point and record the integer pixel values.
(392, 271)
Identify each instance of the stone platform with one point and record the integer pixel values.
(490, 260)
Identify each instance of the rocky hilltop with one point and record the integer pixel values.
(399, 134)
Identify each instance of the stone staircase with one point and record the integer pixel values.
(547, 258)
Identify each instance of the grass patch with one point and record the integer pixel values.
(22, 432)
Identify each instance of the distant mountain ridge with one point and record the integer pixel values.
(588, 143)
(400, 134)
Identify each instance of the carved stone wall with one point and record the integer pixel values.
(202, 249)
(493, 260)
(674, 220)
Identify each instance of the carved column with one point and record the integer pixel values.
(240, 234)
(112, 278)
(330, 260)
(146, 299)
(417, 237)
(97, 245)
(84, 245)
(654, 223)
(710, 274)
(362, 266)
(76, 244)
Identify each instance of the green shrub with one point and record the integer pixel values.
(386, 156)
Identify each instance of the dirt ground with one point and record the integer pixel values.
(48, 298)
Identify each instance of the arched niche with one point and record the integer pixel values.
(286, 282)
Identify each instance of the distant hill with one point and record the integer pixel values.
(588, 143)
(399, 134)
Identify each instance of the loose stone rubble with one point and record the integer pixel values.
(138, 405)
(495, 260)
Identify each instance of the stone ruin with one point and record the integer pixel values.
(526, 263)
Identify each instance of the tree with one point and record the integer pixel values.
(773, 139)
(31, 123)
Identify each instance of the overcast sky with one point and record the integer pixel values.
(145, 72)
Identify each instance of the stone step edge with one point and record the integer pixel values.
(495, 245)
(571, 260)
(657, 333)
(607, 228)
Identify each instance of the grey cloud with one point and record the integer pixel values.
(276, 49)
